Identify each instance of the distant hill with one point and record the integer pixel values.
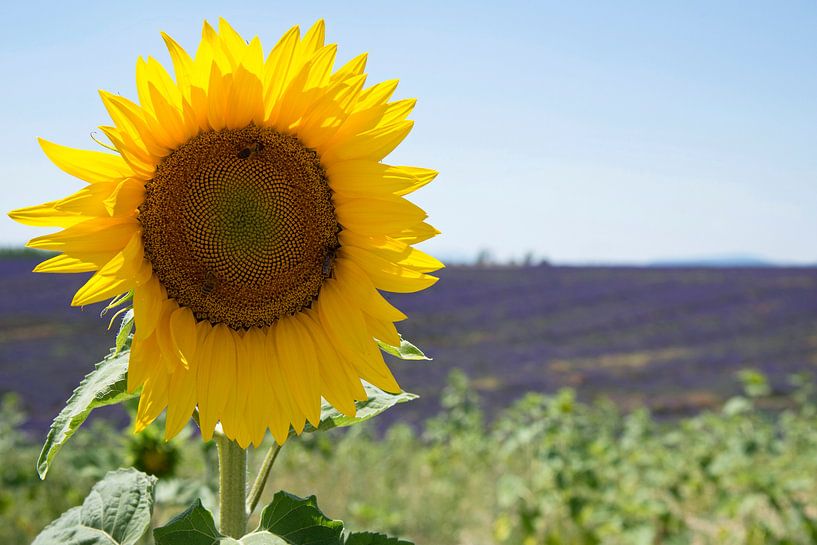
(737, 260)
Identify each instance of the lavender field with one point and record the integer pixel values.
(670, 338)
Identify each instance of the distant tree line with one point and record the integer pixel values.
(486, 258)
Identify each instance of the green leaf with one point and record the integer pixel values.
(378, 402)
(371, 538)
(262, 538)
(406, 350)
(117, 511)
(125, 329)
(193, 526)
(105, 385)
(117, 301)
(299, 521)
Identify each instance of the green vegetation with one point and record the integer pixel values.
(18, 252)
(548, 470)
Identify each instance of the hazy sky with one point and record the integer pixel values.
(584, 132)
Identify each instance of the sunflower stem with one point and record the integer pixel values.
(232, 487)
(261, 480)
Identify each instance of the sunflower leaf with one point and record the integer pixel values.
(290, 520)
(406, 350)
(298, 521)
(125, 330)
(117, 511)
(378, 402)
(261, 538)
(193, 526)
(105, 385)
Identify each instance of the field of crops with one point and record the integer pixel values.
(672, 339)
(668, 338)
(519, 447)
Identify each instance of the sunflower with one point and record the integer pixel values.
(247, 208)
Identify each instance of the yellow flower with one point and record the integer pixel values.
(248, 209)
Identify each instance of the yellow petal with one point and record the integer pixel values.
(135, 154)
(355, 123)
(68, 264)
(131, 118)
(222, 54)
(354, 67)
(117, 276)
(277, 68)
(262, 404)
(392, 250)
(374, 370)
(365, 178)
(142, 81)
(152, 73)
(147, 304)
(91, 166)
(299, 366)
(143, 361)
(376, 95)
(321, 66)
(218, 90)
(415, 234)
(46, 215)
(197, 110)
(85, 204)
(301, 92)
(357, 284)
(327, 113)
(377, 215)
(230, 39)
(214, 377)
(290, 413)
(387, 275)
(398, 110)
(95, 235)
(163, 333)
(126, 198)
(344, 325)
(313, 39)
(336, 386)
(152, 400)
(207, 52)
(169, 121)
(101, 199)
(383, 331)
(182, 64)
(183, 333)
(181, 400)
(245, 102)
(374, 144)
(233, 420)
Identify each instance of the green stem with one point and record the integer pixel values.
(261, 479)
(232, 487)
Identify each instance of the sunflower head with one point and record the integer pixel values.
(246, 204)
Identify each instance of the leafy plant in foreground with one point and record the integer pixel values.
(736, 476)
(126, 497)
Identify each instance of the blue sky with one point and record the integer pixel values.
(582, 132)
